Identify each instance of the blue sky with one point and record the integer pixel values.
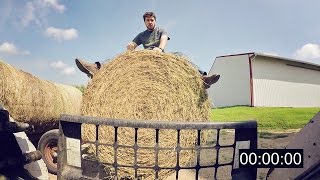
(43, 37)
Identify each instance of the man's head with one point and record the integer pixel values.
(149, 20)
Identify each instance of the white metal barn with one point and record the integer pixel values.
(255, 79)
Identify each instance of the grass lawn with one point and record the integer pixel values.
(267, 117)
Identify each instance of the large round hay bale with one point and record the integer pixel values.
(35, 101)
(71, 98)
(145, 85)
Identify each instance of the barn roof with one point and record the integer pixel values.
(292, 62)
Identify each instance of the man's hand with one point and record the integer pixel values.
(157, 49)
(131, 46)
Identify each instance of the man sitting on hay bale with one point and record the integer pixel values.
(154, 38)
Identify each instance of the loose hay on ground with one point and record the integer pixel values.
(38, 102)
(145, 85)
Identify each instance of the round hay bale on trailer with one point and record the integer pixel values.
(35, 101)
(145, 85)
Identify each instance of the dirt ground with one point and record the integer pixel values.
(273, 140)
(266, 139)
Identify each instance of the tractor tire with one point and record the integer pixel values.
(48, 146)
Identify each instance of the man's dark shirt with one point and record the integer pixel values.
(150, 39)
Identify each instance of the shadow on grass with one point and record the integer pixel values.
(268, 135)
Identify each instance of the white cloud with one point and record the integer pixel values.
(61, 34)
(36, 11)
(55, 5)
(308, 51)
(10, 49)
(58, 65)
(64, 68)
(28, 14)
(69, 71)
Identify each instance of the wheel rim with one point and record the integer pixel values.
(51, 153)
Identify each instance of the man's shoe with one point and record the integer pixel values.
(209, 80)
(87, 68)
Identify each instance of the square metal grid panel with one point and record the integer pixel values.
(70, 126)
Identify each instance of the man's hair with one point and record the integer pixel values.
(149, 14)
